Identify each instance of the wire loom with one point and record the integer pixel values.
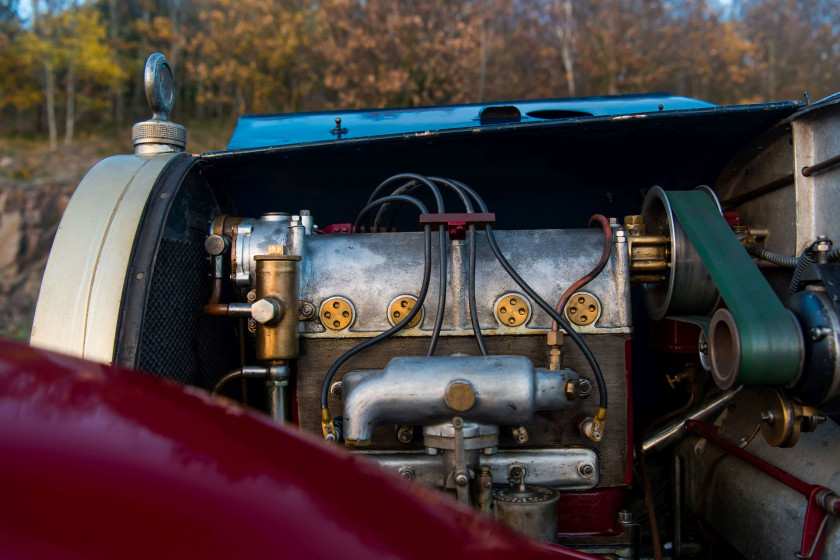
(442, 220)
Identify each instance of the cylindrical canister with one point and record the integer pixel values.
(277, 278)
(530, 510)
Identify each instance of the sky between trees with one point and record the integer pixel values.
(62, 61)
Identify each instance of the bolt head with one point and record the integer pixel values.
(265, 311)
(461, 480)
(768, 417)
(215, 245)
(407, 473)
(586, 470)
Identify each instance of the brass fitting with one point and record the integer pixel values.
(634, 225)
(519, 434)
(276, 292)
(327, 425)
(650, 255)
(593, 428)
(554, 339)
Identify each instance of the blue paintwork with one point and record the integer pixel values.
(263, 131)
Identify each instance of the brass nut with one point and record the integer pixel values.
(635, 224)
(554, 338)
(513, 310)
(572, 390)
(583, 308)
(402, 306)
(337, 313)
(460, 396)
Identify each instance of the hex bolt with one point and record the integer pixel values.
(407, 473)
(625, 516)
(307, 309)
(586, 470)
(266, 311)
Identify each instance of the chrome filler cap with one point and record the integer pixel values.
(158, 135)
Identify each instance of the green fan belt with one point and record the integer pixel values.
(769, 337)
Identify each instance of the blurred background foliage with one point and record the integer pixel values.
(71, 74)
(64, 61)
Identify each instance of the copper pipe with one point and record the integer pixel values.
(213, 307)
(592, 274)
(817, 167)
(772, 186)
(217, 309)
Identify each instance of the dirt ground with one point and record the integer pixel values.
(35, 187)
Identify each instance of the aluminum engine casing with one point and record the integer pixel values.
(371, 270)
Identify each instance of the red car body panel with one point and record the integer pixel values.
(101, 462)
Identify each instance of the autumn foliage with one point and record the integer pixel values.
(63, 61)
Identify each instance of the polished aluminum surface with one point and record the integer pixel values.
(476, 436)
(256, 236)
(556, 467)
(343, 265)
(413, 390)
(816, 137)
(673, 431)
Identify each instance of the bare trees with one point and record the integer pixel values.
(71, 58)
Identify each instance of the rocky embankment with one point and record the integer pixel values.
(29, 215)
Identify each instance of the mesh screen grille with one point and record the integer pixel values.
(179, 342)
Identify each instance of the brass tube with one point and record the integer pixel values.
(277, 279)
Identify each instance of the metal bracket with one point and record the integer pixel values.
(461, 475)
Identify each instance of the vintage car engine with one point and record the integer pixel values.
(454, 320)
(418, 402)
